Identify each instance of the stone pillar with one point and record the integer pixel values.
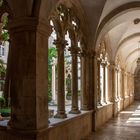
(83, 81)
(60, 45)
(116, 84)
(106, 83)
(126, 81)
(118, 81)
(74, 52)
(123, 91)
(99, 86)
(102, 83)
(110, 96)
(54, 96)
(29, 75)
(7, 79)
(114, 100)
(92, 79)
(120, 84)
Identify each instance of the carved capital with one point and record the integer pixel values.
(60, 44)
(74, 50)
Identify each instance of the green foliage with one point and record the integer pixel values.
(68, 83)
(69, 94)
(79, 93)
(2, 101)
(5, 35)
(5, 112)
(52, 53)
(2, 69)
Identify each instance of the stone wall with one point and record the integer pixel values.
(106, 112)
(103, 114)
(75, 128)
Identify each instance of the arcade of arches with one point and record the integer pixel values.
(102, 40)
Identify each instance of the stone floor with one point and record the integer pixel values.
(126, 126)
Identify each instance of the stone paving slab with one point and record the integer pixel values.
(126, 126)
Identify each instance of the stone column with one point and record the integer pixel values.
(7, 79)
(126, 81)
(60, 45)
(114, 100)
(122, 84)
(117, 77)
(123, 91)
(29, 75)
(54, 96)
(74, 52)
(87, 96)
(99, 86)
(110, 83)
(102, 85)
(85, 74)
(116, 84)
(92, 74)
(106, 83)
(83, 81)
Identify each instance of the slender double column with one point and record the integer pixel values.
(60, 45)
(74, 52)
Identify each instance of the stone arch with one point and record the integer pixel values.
(5, 8)
(48, 7)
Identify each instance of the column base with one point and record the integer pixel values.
(75, 111)
(99, 104)
(103, 103)
(60, 115)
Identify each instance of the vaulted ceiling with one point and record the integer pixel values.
(123, 33)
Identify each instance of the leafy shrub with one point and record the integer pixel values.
(69, 94)
(2, 101)
(49, 97)
(5, 112)
(79, 93)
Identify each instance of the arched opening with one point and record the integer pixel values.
(66, 84)
(5, 109)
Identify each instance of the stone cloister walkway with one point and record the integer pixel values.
(126, 126)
